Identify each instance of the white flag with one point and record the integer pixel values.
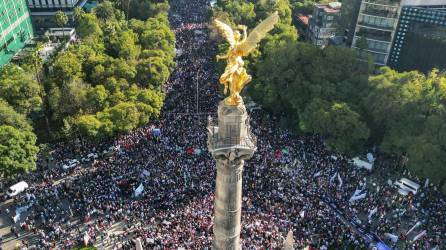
(86, 239)
(333, 177)
(288, 244)
(139, 190)
(357, 197)
(373, 212)
(392, 237)
(412, 228)
(340, 180)
(419, 236)
(138, 244)
(16, 218)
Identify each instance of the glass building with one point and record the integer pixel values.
(404, 34)
(420, 41)
(15, 28)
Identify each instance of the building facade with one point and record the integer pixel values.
(323, 23)
(52, 4)
(375, 29)
(404, 34)
(15, 28)
(420, 41)
(43, 11)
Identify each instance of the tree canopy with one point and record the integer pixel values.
(408, 114)
(18, 152)
(109, 82)
(19, 89)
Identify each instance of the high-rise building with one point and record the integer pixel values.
(323, 23)
(420, 40)
(402, 33)
(15, 28)
(43, 11)
(375, 28)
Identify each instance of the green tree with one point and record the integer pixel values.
(66, 68)
(240, 12)
(33, 63)
(342, 127)
(154, 99)
(427, 158)
(105, 11)
(90, 127)
(157, 35)
(300, 69)
(398, 107)
(408, 111)
(125, 117)
(18, 151)
(68, 100)
(96, 99)
(124, 5)
(19, 89)
(265, 7)
(152, 72)
(89, 26)
(61, 20)
(143, 9)
(124, 45)
(78, 13)
(8, 116)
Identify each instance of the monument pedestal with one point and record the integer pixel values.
(230, 143)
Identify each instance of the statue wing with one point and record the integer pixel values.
(226, 31)
(258, 33)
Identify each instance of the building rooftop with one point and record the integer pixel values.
(333, 7)
(422, 2)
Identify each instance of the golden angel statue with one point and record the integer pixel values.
(235, 76)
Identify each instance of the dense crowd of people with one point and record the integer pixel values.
(159, 187)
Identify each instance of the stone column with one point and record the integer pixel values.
(230, 143)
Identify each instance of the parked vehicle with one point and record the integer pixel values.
(70, 164)
(90, 157)
(17, 189)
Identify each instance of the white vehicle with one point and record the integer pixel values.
(90, 157)
(110, 150)
(406, 186)
(17, 189)
(362, 164)
(70, 164)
